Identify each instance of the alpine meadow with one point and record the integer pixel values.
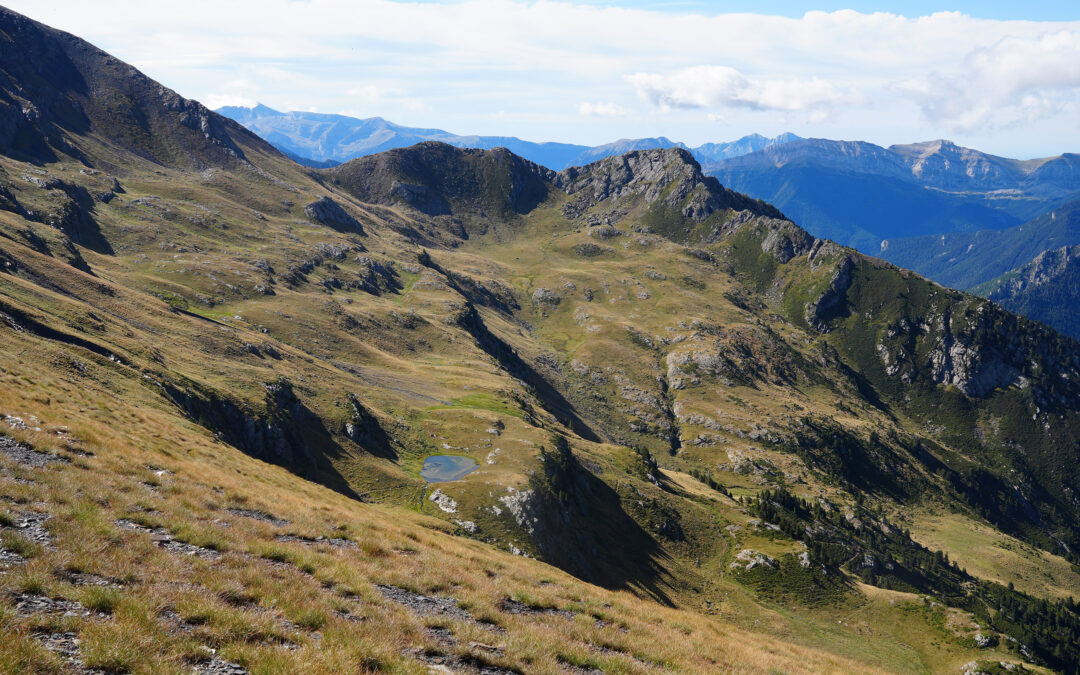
(436, 408)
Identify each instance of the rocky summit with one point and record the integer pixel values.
(677, 432)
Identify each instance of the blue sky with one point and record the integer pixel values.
(1001, 77)
(1057, 10)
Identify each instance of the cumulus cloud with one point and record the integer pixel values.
(1015, 80)
(602, 110)
(905, 77)
(722, 86)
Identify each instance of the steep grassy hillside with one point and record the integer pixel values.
(704, 440)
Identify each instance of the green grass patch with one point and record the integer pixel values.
(481, 401)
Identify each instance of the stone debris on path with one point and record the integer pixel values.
(331, 541)
(9, 558)
(172, 618)
(579, 670)
(189, 549)
(86, 579)
(66, 646)
(256, 514)
(31, 525)
(219, 666)
(163, 539)
(448, 662)
(23, 454)
(29, 604)
(454, 664)
(425, 605)
(511, 606)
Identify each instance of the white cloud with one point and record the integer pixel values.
(1016, 80)
(602, 110)
(878, 75)
(722, 87)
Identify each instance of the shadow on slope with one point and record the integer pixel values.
(285, 432)
(578, 524)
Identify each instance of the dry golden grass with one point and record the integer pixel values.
(277, 606)
(193, 242)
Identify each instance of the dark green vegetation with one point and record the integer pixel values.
(1028, 269)
(867, 546)
(1046, 289)
(720, 425)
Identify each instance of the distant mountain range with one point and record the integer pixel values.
(862, 194)
(323, 140)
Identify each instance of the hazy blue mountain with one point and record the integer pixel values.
(622, 146)
(715, 152)
(322, 140)
(321, 137)
(967, 259)
(861, 194)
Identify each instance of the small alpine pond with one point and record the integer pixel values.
(443, 468)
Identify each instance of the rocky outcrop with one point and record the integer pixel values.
(545, 298)
(1045, 268)
(833, 302)
(328, 212)
(784, 241)
(978, 348)
(273, 434)
(364, 428)
(669, 178)
(1046, 289)
(375, 277)
(420, 197)
(959, 358)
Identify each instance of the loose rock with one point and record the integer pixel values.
(425, 605)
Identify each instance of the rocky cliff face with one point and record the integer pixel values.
(1046, 289)
(944, 164)
(1045, 269)
(668, 178)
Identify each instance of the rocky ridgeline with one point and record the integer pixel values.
(54, 85)
(669, 177)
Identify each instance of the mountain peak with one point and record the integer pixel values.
(665, 187)
(261, 109)
(669, 182)
(440, 179)
(56, 89)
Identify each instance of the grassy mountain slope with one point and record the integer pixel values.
(706, 440)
